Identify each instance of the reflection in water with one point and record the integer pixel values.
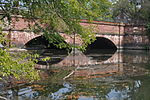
(60, 59)
(59, 94)
(80, 59)
(75, 59)
(100, 54)
(124, 76)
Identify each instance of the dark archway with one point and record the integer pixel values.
(41, 42)
(101, 49)
(102, 43)
(42, 46)
(38, 42)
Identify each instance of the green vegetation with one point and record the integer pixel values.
(146, 15)
(59, 16)
(17, 66)
(55, 16)
(129, 10)
(132, 11)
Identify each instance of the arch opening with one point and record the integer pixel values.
(46, 49)
(41, 42)
(38, 42)
(101, 49)
(102, 43)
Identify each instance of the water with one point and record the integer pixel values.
(94, 75)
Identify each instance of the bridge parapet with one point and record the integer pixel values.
(101, 27)
(19, 23)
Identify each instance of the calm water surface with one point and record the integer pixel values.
(94, 75)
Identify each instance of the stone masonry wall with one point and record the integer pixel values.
(135, 37)
(19, 39)
(105, 27)
(121, 35)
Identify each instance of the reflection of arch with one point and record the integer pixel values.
(102, 43)
(80, 59)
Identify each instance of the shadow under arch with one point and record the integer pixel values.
(46, 49)
(101, 49)
(102, 43)
(38, 42)
(43, 43)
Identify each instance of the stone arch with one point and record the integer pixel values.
(40, 42)
(37, 41)
(103, 43)
(103, 47)
(19, 39)
(113, 38)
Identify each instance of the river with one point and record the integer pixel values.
(94, 75)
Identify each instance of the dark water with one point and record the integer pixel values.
(94, 75)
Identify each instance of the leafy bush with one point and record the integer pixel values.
(16, 65)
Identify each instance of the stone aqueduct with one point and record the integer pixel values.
(120, 34)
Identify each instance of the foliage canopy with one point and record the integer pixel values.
(59, 16)
(135, 11)
(18, 66)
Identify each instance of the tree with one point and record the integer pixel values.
(145, 6)
(16, 66)
(58, 16)
(135, 11)
(146, 15)
(128, 10)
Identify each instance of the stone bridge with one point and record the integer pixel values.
(108, 34)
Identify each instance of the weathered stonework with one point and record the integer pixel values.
(122, 35)
(136, 42)
(21, 38)
(135, 37)
(105, 27)
(117, 40)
